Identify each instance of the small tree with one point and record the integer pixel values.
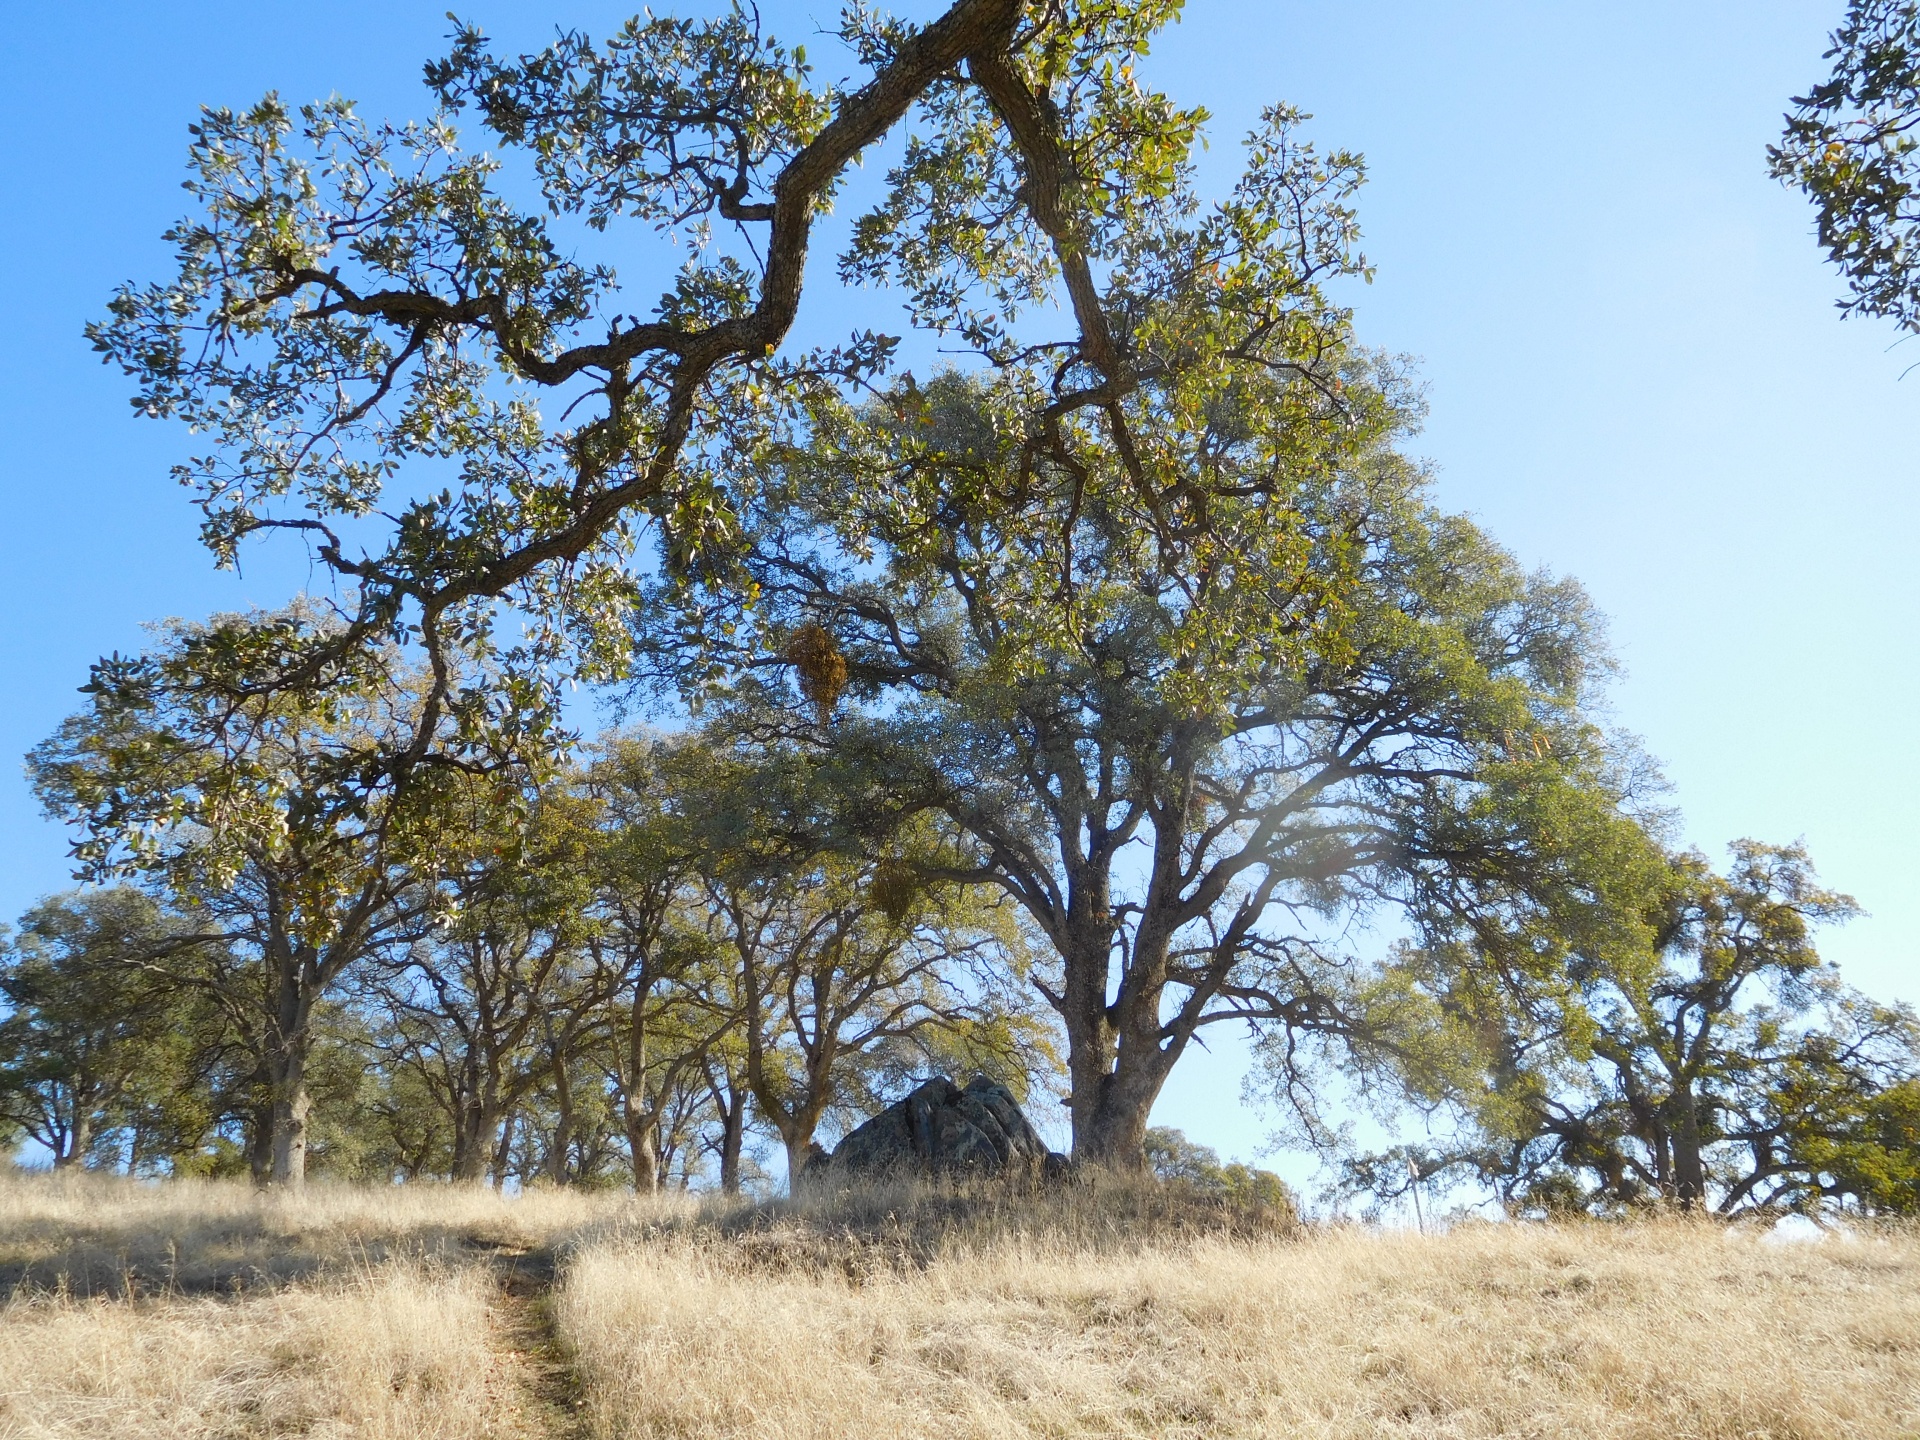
(265, 815)
(95, 1041)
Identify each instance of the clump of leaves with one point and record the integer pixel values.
(893, 889)
(815, 655)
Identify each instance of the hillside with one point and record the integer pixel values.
(181, 1310)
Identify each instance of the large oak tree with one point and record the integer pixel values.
(1192, 766)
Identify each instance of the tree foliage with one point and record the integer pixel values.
(264, 813)
(97, 1055)
(395, 360)
(1714, 1061)
(1851, 144)
(1190, 765)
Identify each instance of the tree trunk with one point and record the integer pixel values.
(259, 1123)
(1689, 1169)
(1117, 1070)
(503, 1152)
(473, 1143)
(646, 1160)
(291, 1108)
(799, 1141)
(1099, 1131)
(79, 1137)
(563, 1126)
(1117, 1136)
(288, 1042)
(733, 1129)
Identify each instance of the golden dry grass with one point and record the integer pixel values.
(1654, 1331)
(398, 1353)
(90, 1235)
(162, 1312)
(1081, 1313)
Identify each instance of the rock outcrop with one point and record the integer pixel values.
(941, 1129)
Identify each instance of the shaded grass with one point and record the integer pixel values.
(91, 1235)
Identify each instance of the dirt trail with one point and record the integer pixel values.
(540, 1393)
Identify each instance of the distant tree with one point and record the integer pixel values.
(846, 975)
(1174, 1159)
(724, 1070)
(264, 815)
(1853, 144)
(472, 1004)
(94, 1042)
(831, 986)
(648, 949)
(1717, 1063)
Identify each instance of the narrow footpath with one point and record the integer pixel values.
(540, 1395)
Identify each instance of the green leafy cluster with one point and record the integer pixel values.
(1850, 144)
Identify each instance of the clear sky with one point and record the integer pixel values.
(1636, 372)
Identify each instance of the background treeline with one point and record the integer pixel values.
(662, 963)
(611, 980)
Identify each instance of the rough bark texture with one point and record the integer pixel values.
(288, 1044)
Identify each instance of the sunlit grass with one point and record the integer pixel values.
(1110, 1311)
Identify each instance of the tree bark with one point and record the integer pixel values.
(563, 1125)
(260, 1128)
(289, 1042)
(1689, 1170)
(798, 1145)
(291, 1108)
(292, 1105)
(79, 1137)
(646, 1161)
(733, 1129)
(473, 1142)
(503, 1151)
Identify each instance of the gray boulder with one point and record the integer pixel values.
(941, 1129)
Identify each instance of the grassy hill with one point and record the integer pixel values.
(181, 1310)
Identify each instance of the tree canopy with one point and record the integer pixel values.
(1705, 1056)
(394, 360)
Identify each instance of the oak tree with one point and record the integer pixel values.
(264, 814)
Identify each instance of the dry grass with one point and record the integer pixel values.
(88, 1235)
(401, 1353)
(1657, 1331)
(206, 1310)
(1077, 1313)
(884, 1228)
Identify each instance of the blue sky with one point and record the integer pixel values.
(1635, 369)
